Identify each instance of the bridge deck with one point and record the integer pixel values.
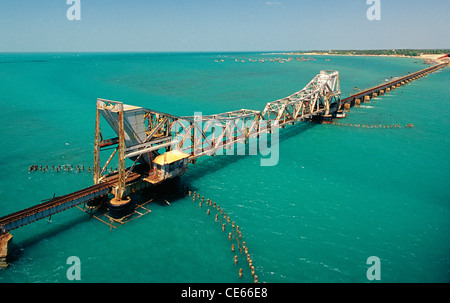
(389, 84)
(58, 204)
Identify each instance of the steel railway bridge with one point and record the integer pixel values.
(161, 145)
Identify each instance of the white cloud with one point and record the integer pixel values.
(273, 3)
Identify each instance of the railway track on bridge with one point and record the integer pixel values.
(367, 92)
(58, 204)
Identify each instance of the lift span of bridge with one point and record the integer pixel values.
(161, 145)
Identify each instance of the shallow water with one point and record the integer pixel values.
(337, 196)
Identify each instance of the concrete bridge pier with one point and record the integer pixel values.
(5, 239)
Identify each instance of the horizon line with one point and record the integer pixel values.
(224, 51)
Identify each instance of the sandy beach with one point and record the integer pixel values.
(428, 58)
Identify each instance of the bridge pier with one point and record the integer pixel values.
(5, 239)
(366, 95)
(119, 208)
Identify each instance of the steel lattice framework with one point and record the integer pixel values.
(314, 99)
(143, 133)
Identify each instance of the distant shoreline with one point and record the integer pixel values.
(428, 58)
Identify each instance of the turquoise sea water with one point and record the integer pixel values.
(337, 196)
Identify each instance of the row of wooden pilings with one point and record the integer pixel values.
(235, 235)
(66, 168)
(357, 101)
(409, 125)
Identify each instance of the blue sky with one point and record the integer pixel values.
(221, 25)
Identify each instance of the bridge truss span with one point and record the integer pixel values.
(144, 134)
(316, 98)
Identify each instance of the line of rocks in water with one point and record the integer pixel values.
(66, 168)
(409, 125)
(235, 235)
